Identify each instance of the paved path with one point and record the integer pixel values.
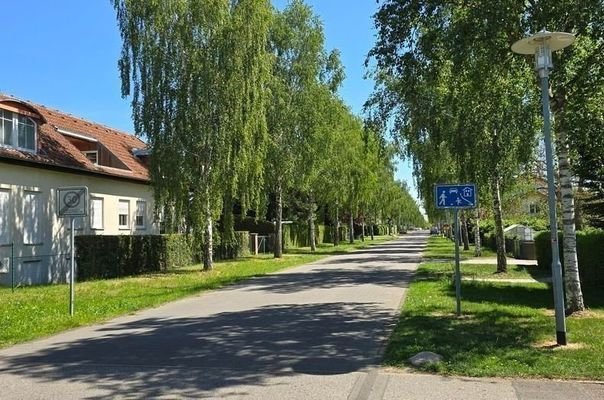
(312, 332)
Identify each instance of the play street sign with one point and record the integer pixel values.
(455, 195)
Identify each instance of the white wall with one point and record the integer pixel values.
(47, 260)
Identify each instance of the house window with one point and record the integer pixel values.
(123, 211)
(6, 127)
(17, 131)
(92, 156)
(141, 210)
(533, 208)
(31, 218)
(4, 217)
(96, 213)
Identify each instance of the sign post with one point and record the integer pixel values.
(456, 196)
(72, 202)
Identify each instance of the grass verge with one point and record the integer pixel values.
(442, 248)
(507, 329)
(38, 311)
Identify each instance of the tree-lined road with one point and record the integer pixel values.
(308, 332)
(312, 332)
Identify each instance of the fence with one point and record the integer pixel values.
(17, 270)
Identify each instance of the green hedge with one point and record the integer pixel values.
(590, 254)
(240, 247)
(105, 257)
(298, 235)
(179, 250)
(252, 225)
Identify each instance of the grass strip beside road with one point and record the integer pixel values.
(443, 248)
(506, 330)
(38, 311)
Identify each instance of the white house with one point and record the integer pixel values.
(42, 149)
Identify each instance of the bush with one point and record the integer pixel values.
(103, 257)
(239, 247)
(179, 250)
(252, 225)
(590, 254)
(298, 235)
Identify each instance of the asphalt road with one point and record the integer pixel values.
(312, 332)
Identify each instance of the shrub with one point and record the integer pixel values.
(239, 247)
(590, 253)
(252, 225)
(105, 257)
(179, 250)
(102, 257)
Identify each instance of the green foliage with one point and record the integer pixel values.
(255, 226)
(198, 72)
(179, 250)
(103, 257)
(297, 235)
(238, 247)
(590, 253)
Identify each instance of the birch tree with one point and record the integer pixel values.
(197, 72)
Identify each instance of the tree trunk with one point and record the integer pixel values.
(371, 230)
(336, 238)
(500, 239)
(574, 294)
(278, 248)
(477, 242)
(351, 227)
(464, 231)
(363, 229)
(311, 223)
(208, 261)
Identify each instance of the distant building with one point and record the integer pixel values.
(42, 149)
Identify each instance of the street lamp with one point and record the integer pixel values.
(541, 45)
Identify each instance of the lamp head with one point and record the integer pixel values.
(541, 45)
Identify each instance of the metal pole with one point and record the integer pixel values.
(72, 272)
(457, 269)
(553, 222)
(12, 267)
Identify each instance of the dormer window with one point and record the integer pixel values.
(17, 131)
(92, 156)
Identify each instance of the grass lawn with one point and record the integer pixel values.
(33, 312)
(507, 329)
(443, 248)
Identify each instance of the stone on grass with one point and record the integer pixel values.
(425, 358)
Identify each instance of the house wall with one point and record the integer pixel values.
(47, 261)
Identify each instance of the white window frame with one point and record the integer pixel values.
(144, 214)
(5, 218)
(95, 152)
(127, 226)
(92, 214)
(32, 239)
(15, 133)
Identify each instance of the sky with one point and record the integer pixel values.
(64, 53)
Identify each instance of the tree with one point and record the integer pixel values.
(197, 72)
(302, 72)
(438, 80)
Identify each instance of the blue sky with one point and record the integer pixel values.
(63, 54)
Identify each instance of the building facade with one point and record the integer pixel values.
(43, 149)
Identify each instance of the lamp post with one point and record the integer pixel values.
(541, 45)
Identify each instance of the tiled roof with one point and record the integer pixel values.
(54, 149)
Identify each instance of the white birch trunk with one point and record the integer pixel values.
(572, 283)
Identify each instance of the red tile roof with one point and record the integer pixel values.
(54, 149)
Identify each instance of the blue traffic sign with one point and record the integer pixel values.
(455, 195)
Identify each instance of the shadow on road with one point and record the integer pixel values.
(157, 357)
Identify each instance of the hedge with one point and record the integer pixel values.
(105, 257)
(590, 254)
(252, 225)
